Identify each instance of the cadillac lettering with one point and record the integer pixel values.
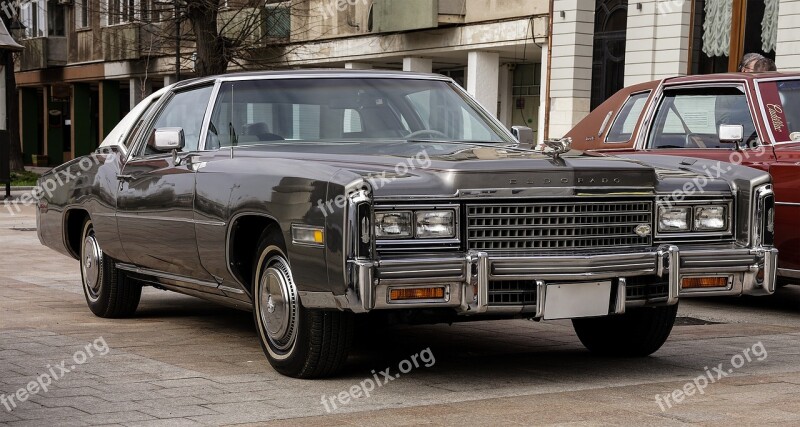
(318, 199)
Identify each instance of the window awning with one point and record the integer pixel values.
(6, 41)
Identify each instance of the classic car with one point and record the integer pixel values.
(317, 199)
(743, 118)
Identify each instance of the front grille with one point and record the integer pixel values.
(523, 292)
(646, 287)
(512, 292)
(552, 226)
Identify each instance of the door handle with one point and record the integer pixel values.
(124, 178)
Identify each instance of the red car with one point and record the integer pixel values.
(748, 119)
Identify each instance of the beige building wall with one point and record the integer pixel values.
(787, 55)
(489, 10)
(657, 44)
(571, 67)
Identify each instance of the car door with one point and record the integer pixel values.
(156, 194)
(687, 119)
(780, 111)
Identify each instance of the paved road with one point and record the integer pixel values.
(183, 361)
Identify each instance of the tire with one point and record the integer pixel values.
(638, 333)
(298, 342)
(109, 293)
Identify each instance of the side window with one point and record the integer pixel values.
(185, 110)
(691, 118)
(629, 115)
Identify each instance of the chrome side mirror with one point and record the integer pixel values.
(168, 139)
(524, 135)
(731, 134)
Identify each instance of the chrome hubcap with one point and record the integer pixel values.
(90, 265)
(278, 305)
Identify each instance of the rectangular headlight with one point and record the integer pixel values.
(393, 225)
(710, 218)
(435, 224)
(673, 219)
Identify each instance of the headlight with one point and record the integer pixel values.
(673, 219)
(435, 224)
(393, 225)
(710, 218)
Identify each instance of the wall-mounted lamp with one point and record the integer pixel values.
(639, 7)
(562, 14)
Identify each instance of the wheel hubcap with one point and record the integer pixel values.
(90, 265)
(278, 307)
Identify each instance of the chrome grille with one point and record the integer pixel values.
(552, 226)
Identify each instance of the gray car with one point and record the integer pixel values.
(317, 199)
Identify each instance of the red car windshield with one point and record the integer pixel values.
(781, 102)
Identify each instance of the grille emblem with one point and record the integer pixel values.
(643, 230)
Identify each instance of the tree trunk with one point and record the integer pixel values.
(210, 46)
(12, 112)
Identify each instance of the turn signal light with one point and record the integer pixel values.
(704, 282)
(400, 294)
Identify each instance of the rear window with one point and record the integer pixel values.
(625, 123)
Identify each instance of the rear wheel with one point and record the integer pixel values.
(297, 341)
(637, 333)
(109, 293)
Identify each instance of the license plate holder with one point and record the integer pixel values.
(575, 300)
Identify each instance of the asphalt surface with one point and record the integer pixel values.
(184, 361)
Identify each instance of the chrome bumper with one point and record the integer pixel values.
(467, 277)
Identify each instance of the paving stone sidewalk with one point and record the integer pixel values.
(183, 361)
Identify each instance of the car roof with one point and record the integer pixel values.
(730, 76)
(316, 73)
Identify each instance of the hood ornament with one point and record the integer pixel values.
(556, 147)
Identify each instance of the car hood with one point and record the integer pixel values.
(462, 169)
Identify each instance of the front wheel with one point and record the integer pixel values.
(637, 333)
(297, 341)
(109, 293)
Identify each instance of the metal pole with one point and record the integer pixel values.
(177, 41)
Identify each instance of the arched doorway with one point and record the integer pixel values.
(608, 56)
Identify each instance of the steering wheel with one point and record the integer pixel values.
(431, 132)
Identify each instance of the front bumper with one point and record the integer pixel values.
(477, 282)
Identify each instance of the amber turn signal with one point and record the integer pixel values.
(704, 282)
(400, 294)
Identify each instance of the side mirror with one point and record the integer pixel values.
(731, 134)
(524, 135)
(168, 139)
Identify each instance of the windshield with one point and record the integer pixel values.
(781, 103)
(690, 118)
(336, 110)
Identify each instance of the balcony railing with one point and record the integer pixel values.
(403, 15)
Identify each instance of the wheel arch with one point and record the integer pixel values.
(243, 239)
(73, 230)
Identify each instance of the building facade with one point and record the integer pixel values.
(538, 63)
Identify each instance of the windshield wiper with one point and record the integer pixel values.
(487, 144)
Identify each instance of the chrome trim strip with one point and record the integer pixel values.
(168, 219)
(787, 203)
(231, 290)
(169, 276)
(788, 272)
